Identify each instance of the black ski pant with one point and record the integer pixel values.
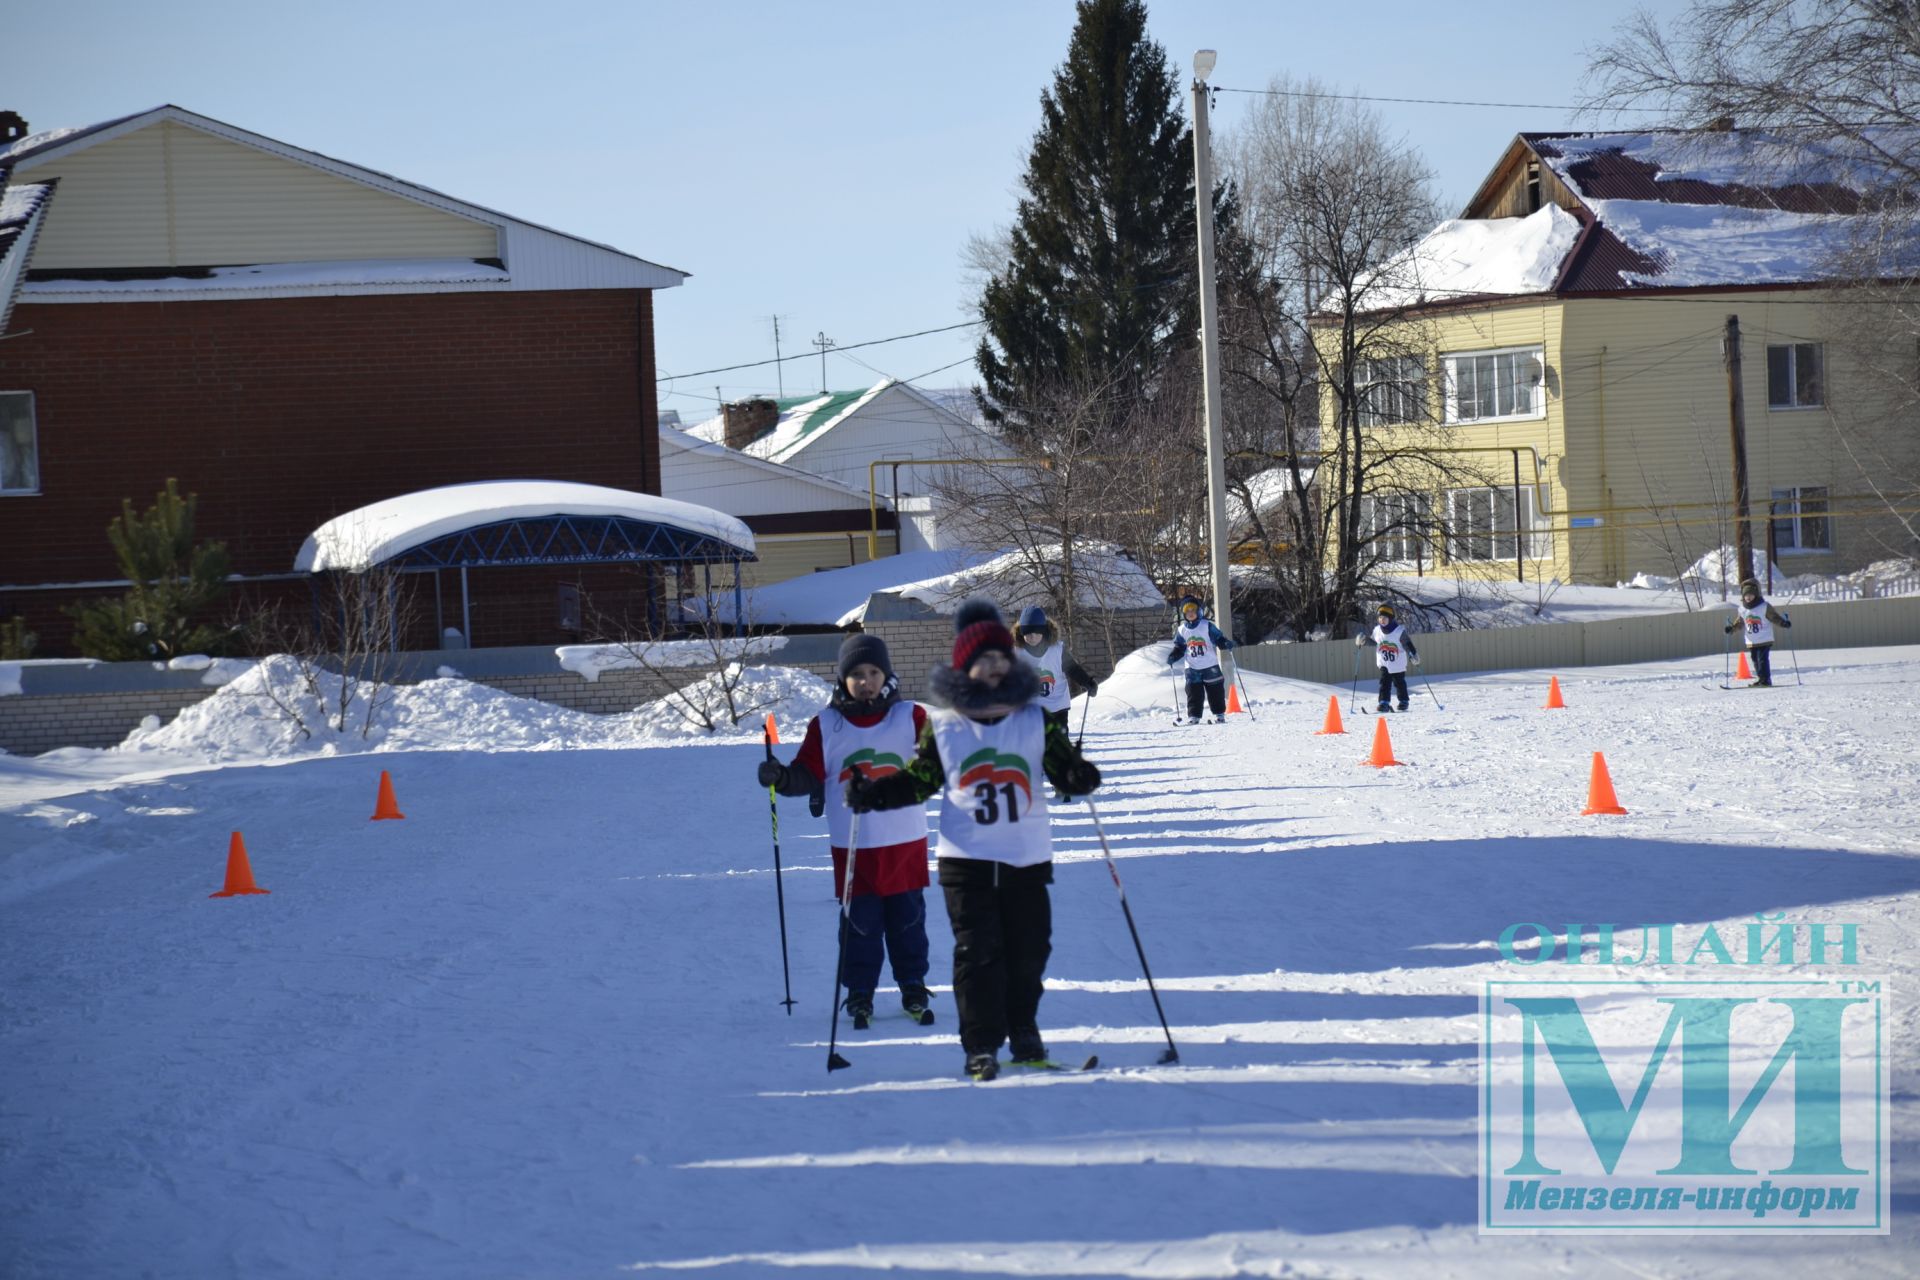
(1002, 922)
(1214, 690)
(1390, 682)
(1762, 655)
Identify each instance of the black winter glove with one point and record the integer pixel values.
(817, 801)
(1786, 622)
(1093, 687)
(1727, 630)
(860, 796)
(1080, 776)
(771, 772)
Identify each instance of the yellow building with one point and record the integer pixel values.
(1558, 350)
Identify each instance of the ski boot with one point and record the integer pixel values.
(983, 1066)
(915, 1000)
(1025, 1047)
(860, 1009)
(1219, 719)
(1403, 706)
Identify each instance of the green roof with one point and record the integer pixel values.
(830, 408)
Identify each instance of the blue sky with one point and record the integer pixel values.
(825, 163)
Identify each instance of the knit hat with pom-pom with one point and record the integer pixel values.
(978, 627)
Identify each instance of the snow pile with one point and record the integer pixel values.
(1703, 244)
(1104, 578)
(1466, 257)
(701, 710)
(216, 671)
(1739, 157)
(590, 660)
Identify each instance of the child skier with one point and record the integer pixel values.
(1200, 643)
(1061, 678)
(980, 750)
(1393, 648)
(1756, 619)
(866, 731)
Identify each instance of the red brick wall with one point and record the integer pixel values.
(282, 413)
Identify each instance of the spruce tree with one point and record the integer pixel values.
(173, 583)
(1098, 292)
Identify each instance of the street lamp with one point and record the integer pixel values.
(1210, 347)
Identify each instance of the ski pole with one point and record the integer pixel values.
(1429, 684)
(1726, 659)
(1172, 1054)
(1175, 681)
(779, 894)
(1794, 654)
(834, 1060)
(1246, 699)
(1084, 708)
(1353, 694)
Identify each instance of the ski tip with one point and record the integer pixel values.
(1090, 1063)
(926, 1019)
(1169, 1058)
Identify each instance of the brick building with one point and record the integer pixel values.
(292, 337)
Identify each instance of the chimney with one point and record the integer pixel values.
(12, 127)
(748, 420)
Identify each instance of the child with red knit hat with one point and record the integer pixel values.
(980, 750)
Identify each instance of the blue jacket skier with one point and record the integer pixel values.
(1199, 643)
(1393, 651)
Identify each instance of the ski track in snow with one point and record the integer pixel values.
(534, 1030)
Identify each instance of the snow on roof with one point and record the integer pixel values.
(1705, 244)
(372, 534)
(289, 275)
(830, 598)
(1469, 257)
(1734, 158)
(1104, 578)
(802, 420)
(22, 208)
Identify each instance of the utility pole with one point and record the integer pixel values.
(1737, 407)
(823, 342)
(1210, 348)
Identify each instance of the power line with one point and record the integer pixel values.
(1431, 102)
(838, 347)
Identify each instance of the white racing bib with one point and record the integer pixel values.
(994, 806)
(875, 751)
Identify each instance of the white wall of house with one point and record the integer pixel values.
(898, 423)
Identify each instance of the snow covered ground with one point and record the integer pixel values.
(534, 1029)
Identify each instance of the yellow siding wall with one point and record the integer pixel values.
(169, 195)
(794, 556)
(1650, 422)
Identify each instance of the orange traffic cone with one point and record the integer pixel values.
(1333, 724)
(1233, 701)
(384, 805)
(1553, 694)
(1743, 671)
(1382, 746)
(1600, 797)
(773, 730)
(239, 871)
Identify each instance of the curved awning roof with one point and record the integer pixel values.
(522, 522)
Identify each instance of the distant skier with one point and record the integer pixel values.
(1061, 678)
(981, 751)
(866, 731)
(1393, 650)
(1199, 643)
(1756, 619)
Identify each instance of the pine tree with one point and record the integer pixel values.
(173, 583)
(1097, 294)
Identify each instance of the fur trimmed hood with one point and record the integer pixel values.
(953, 689)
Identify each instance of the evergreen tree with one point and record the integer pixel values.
(1097, 293)
(174, 581)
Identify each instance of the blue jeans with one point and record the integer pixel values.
(894, 926)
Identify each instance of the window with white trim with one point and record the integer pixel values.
(1392, 390)
(19, 445)
(1800, 521)
(1796, 376)
(1481, 525)
(1485, 386)
(1395, 526)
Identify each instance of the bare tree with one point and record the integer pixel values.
(703, 671)
(1327, 358)
(342, 651)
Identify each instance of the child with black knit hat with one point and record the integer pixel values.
(1756, 618)
(980, 750)
(866, 731)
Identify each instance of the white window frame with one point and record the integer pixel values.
(1466, 537)
(1392, 391)
(1789, 515)
(31, 479)
(1455, 363)
(1396, 526)
(1790, 351)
